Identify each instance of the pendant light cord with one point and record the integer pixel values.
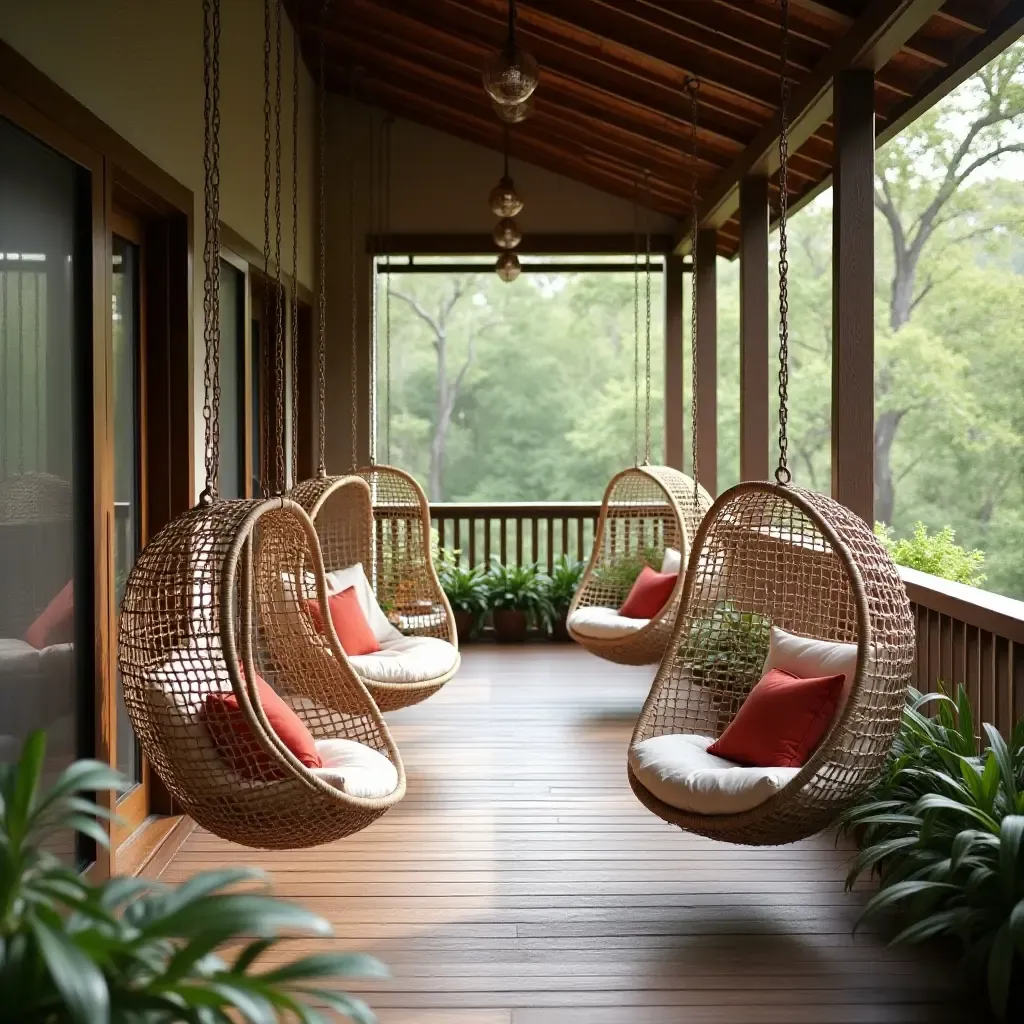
(295, 257)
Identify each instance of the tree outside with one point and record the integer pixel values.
(525, 391)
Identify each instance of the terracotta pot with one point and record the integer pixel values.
(463, 625)
(510, 626)
(559, 629)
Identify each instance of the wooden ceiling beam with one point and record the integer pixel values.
(870, 42)
(407, 57)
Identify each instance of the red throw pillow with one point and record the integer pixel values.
(350, 623)
(236, 743)
(781, 722)
(56, 625)
(649, 594)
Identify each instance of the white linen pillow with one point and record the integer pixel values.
(354, 576)
(808, 658)
(673, 560)
(680, 772)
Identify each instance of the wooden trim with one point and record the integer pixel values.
(707, 358)
(674, 361)
(754, 329)
(253, 255)
(853, 290)
(307, 391)
(527, 267)
(533, 245)
(152, 846)
(983, 609)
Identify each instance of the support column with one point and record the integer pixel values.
(754, 328)
(674, 361)
(707, 358)
(853, 290)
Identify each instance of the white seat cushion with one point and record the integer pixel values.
(807, 658)
(673, 560)
(680, 772)
(604, 623)
(408, 659)
(356, 769)
(354, 576)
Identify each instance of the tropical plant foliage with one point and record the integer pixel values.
(728, 644)
(134, 951)
(564, 579)
(520, 588)
(937, 553)
(467, 589)
(945, 831)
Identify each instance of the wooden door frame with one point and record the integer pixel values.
(241, 264)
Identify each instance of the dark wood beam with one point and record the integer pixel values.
(884, 27)
(674, 362)
(536, 244)
(754, 328)
(853, 290)
(707, 359)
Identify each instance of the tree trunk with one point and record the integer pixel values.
(903, 282)
(885, 490)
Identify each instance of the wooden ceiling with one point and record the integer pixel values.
(612, 108)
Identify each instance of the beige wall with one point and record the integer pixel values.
(439, 185)
(137, 65)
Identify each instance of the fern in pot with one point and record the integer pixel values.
(518, 599)
(467, 591)
(135, 951)
(562, 584)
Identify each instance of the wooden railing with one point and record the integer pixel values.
(516, 533)
(969, 636)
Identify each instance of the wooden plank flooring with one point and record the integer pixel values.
(521, 883)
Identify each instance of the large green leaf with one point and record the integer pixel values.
(1002, 755)
(327, 965)
(1011, 832)
(79, 981)
(1000, 970)
(942, 922)
(939, 802)
(240, 914)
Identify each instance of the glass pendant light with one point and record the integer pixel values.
(513, 113)
(504, 200)
(507, 234)
(510, 74)
(508, 267)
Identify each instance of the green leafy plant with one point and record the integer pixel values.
(728, 644)
(134, 951)
(520, 588)
(467, 590)
(935, 553)
(944, 830)
(562, 583)
(621, 572)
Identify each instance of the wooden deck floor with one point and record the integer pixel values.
(521, 883)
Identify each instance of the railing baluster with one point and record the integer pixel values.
(551, 544)
(535, 539)
(1003, 693)
(565, 536)
(472, 541)
(488, 524)
(504, 541)
(580, 530)
(519, 540)
(457, 537)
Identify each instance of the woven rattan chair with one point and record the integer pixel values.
(385, 525)
(800, 561)
(206, 607)
(646, 509)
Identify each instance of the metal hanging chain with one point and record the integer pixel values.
(387, 288)
(321, 298)
(265, 326)
(647, 273)
(782, 473)
(693, 85)
(353, 310)
(636, 325)
(278, 286)
(376, 219)
(295, 256)
(211, 252)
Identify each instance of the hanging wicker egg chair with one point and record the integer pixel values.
(208, 606)
(646, 510)
(778, 577)
(213, 609)
(385, 528)
(800, 561)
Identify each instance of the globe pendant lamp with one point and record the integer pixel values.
(504, 200)
(513, 113)
(507, 234)
(508, 267)
(510, 74)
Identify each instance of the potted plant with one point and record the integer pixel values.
(518, 598)
(565, 578)
(467, 591)
(943, 830)
(136, 950)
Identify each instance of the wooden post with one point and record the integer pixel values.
(674, 361)
(853, 287)
(707, 359)
(754, 328)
